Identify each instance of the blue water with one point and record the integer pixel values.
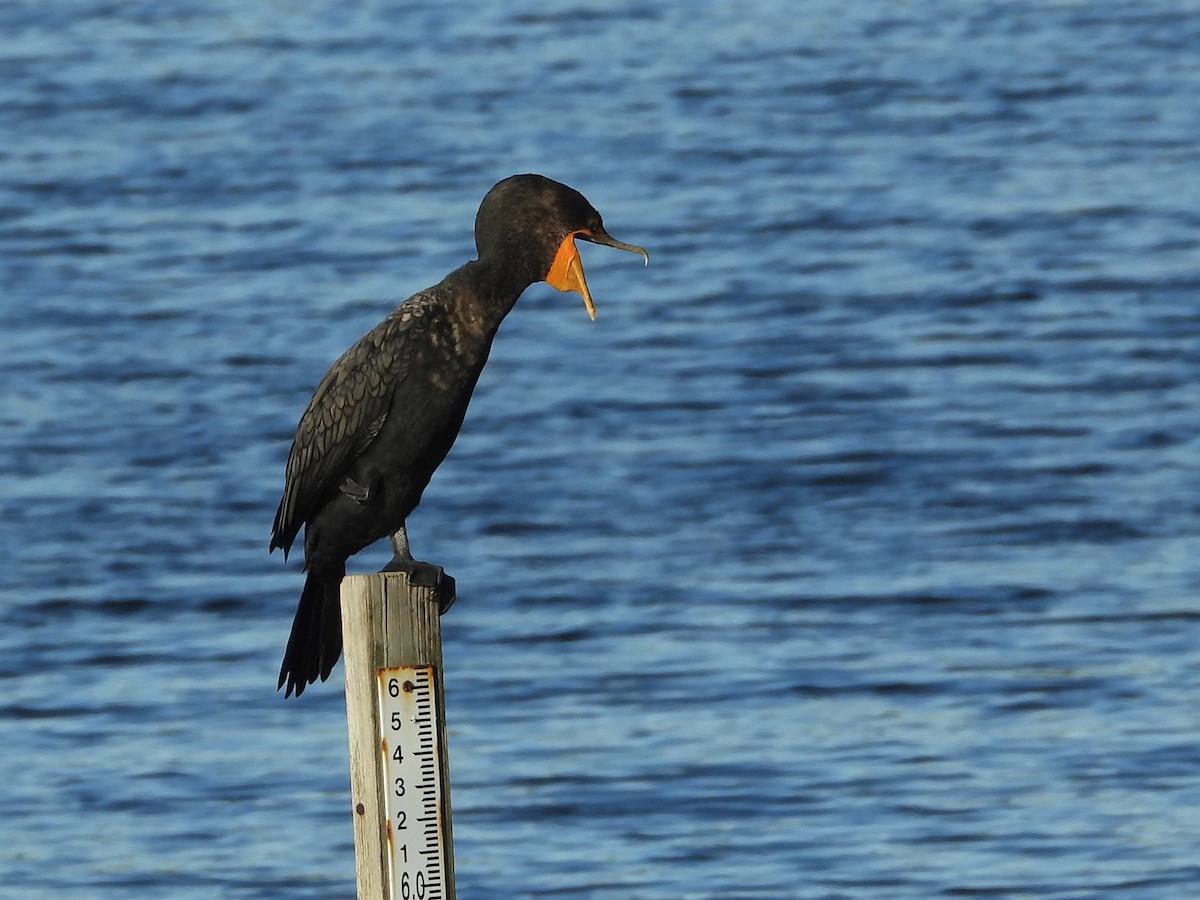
(851, 553)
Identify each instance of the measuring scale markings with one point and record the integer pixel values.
(409, 731)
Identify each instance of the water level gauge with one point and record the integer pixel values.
(412, 782)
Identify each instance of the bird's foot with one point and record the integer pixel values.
(425, 574)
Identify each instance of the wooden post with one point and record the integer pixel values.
(389, 623)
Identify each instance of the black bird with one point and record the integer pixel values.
(387, 412)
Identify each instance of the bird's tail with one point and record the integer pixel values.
(316, 640)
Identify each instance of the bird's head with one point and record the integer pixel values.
(531, 222)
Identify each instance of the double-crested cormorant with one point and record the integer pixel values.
(387, 412)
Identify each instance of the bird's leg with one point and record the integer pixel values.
(400, 552)
(420, 573)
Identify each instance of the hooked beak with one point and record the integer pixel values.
(566, 272)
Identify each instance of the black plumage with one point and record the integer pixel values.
(387, 412)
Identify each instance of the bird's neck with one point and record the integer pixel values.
(485, 291)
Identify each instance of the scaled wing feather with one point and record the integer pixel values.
(346, 413)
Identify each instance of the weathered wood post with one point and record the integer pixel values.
(399, 774)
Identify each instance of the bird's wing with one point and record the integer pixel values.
(348, 410)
